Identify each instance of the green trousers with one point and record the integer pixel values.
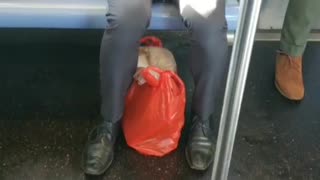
(299, 20)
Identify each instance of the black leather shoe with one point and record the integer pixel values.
(201, 143)
(99, 150)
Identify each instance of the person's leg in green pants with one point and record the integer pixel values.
(299, 19)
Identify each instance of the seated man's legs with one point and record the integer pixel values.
(209, 64)
(127, 22)
(300, 16)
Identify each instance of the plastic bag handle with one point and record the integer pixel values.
(150, 79)
(178, 82)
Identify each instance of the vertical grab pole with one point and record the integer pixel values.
(237, 76)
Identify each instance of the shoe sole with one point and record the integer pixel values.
(283, 94)
(190, 164)
(98, 172)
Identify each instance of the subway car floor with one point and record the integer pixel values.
(50, 101)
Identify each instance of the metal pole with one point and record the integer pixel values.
(238, 70)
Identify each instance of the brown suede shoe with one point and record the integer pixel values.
(289, 78)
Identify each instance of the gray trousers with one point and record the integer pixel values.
(127, 21)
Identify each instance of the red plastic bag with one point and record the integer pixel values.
(155, 113)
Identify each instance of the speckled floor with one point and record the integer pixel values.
(49, 102)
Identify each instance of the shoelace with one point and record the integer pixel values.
(291, 60)
(205, 127)
(100, 131)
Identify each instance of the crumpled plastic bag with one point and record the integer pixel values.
(155, 105)
(155, 113)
